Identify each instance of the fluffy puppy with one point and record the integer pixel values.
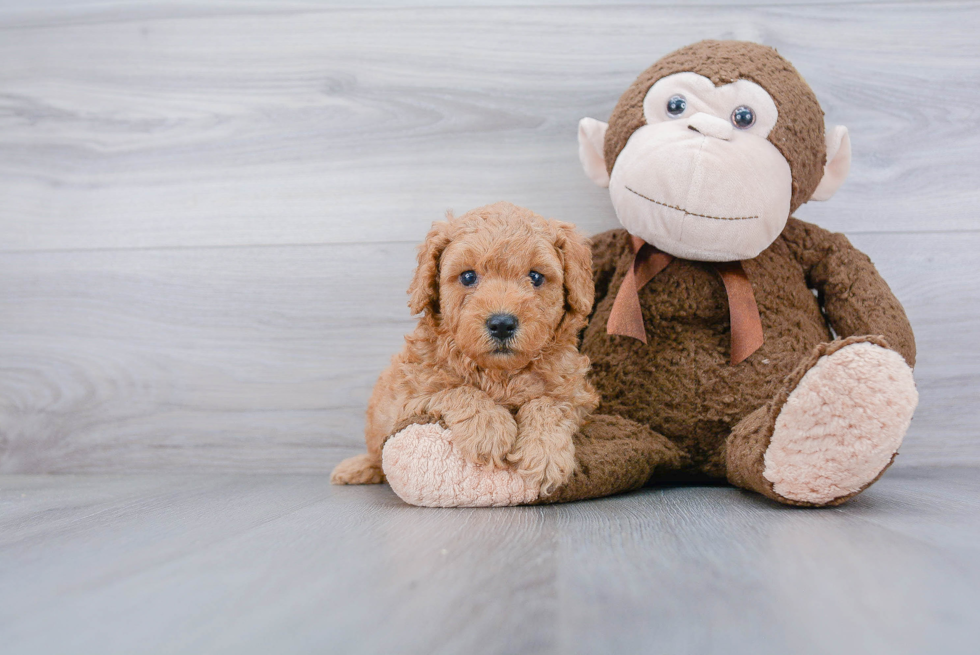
(503, 294)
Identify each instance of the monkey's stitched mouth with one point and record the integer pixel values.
(681, 209)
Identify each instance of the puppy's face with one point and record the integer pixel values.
(504, 283)
(502, 293)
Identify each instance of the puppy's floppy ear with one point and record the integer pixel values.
(424, 289)
(576, 258)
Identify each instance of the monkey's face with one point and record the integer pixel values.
(701, 180)
(710, 172)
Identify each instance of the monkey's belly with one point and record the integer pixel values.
(681, 383)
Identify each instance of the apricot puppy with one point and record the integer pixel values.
(503, 294)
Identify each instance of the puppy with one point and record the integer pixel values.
(503, 294)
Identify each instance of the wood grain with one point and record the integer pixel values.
(45, 7)
(288, 564)
(156, 127)
(263, 358)
(208, 210)
(207, 219)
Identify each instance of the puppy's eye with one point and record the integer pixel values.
(467, 278)
(536, 278)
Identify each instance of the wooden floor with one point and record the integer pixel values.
(208, 215)
(289, 564)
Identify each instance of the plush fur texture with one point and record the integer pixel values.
(799, 134)
(806, 419)
(515, 403)
(681, 383)
(842, 424)
(614, 455)
(424, 468)
(676, 410)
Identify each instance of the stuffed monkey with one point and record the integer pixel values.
(728, 340)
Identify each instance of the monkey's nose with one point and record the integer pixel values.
(502, 326)
(709, 125)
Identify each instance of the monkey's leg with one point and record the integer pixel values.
(831, 431)
(612, 455)
(424, 468)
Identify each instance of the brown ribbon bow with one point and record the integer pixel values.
(626, 317)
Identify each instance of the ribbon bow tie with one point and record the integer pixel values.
(626, 317)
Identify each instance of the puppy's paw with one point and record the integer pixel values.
(360, 469)
(547, 463)
(485, 437)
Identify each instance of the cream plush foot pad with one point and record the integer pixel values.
(424, 468)
(842, 424)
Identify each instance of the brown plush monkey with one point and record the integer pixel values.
(714, 358)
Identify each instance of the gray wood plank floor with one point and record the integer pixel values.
(288, 564)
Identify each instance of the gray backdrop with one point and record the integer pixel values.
(208, 211)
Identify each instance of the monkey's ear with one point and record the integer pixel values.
(838, 163)
(591, 146)
(424, 290)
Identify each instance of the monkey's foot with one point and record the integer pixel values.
(842, 425)
(424, 468)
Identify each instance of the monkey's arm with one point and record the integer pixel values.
(854, 297)
(607, 249)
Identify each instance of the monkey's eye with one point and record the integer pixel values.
(467, 278)
(676, 105)
(743, 117)
(537, 279)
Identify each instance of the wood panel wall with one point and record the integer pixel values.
(208, 211)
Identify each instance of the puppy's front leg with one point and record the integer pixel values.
(483, 431)
(544, 451)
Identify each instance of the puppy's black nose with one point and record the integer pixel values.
(502, 326)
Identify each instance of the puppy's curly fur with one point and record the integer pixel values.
(516, 400)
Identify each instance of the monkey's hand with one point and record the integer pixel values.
(544, 452)
(482, 431)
